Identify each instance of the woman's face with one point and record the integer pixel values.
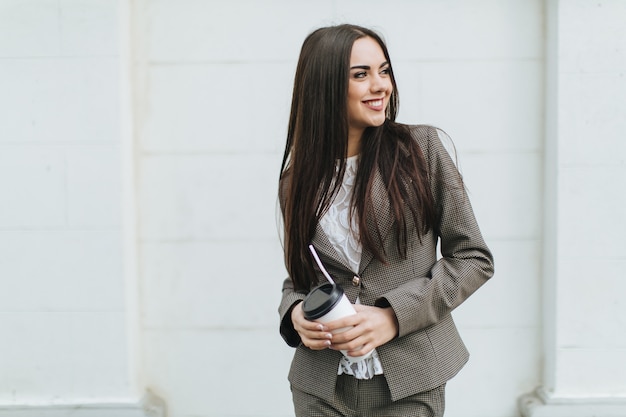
(369, 86)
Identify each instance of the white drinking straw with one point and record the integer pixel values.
(319, 263)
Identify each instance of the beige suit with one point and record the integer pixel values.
(421, 289)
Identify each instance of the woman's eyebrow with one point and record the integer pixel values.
(367, 67)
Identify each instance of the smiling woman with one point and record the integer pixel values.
(374, 198)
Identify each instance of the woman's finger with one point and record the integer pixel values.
(313, 335)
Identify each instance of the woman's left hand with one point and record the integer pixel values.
(371, 327)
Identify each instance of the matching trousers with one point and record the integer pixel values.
(368, 398)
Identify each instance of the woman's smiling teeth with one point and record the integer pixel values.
(376, 104)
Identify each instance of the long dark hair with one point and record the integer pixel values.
(317, 138)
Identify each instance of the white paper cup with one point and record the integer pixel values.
(326, 303)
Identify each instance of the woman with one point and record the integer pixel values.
(374, 197)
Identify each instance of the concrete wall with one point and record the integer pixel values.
(140, 149)
(584, 341)
(62, 302)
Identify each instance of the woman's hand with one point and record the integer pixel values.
(314, 335)
(373, 327)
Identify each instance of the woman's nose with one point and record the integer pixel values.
(379, 83)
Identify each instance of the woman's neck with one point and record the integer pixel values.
(354, 143)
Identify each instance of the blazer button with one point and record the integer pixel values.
(356, 281)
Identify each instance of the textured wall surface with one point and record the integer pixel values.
(187, 107)
(587, 354)
(62, 317)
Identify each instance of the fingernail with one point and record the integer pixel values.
(327, 343)
(329, 335)
(320, 328)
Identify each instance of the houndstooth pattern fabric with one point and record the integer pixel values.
(421, 289)
(369, 398)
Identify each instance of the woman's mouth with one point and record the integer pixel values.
(376, 104)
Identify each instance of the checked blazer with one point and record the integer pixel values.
(421, 289)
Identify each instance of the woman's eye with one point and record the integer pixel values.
(359, 74)
(386, 70)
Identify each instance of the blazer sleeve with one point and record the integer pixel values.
(466, 261)
(288, 301)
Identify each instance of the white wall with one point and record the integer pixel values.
(590, 357)
(584, 369)
(586, 354)
(211, 84)
(62, 305)
(215, 80)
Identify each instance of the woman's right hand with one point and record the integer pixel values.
(314, 335)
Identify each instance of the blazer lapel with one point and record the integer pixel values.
(327, 252)
(382, 218)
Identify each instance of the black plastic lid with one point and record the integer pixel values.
(321, 300)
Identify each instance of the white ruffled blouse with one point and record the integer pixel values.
(342, 231)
